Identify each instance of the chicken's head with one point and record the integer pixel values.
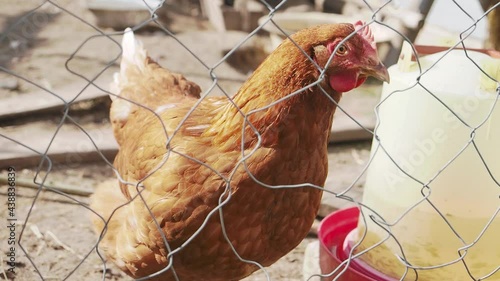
(354, 59)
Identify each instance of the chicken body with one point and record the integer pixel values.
(184, 167)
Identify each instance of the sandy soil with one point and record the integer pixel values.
(57, 237)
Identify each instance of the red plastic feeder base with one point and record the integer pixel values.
(332, 234)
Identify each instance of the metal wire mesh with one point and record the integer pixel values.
(36, 16)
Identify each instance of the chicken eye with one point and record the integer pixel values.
(342, 50)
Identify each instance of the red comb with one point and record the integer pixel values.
(365, 32)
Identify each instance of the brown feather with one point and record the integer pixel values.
(263, 224)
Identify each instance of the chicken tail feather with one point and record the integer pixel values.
(133, 56)
(134, 53)
(133, 64)
(142, 87)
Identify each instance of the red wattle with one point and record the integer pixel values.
(361, 80)
(345, 81)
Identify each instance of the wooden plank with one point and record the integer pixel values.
(42, 101)
(70, 146)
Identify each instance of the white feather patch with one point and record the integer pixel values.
(160, 109)
(121, 110)
(197, 127)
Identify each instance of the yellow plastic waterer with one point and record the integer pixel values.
(434, 180)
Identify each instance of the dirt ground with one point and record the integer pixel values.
(57, 237)
(58, 234)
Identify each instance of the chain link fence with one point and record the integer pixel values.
(389, 213)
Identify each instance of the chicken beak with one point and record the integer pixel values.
(378, 71)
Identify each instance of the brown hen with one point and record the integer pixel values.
(186, 163)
